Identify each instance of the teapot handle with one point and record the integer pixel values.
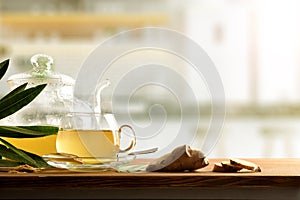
(133, 141)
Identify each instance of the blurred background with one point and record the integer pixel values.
(255, 45)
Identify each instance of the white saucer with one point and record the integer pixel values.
(74, 163)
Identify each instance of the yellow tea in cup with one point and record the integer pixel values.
(89, 145)
(92, 137)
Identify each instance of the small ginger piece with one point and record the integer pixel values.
(218, 167)
(235, 165)
(182, 158)
(226, 166)
(230, 167)
(24, 169)
(245, 164)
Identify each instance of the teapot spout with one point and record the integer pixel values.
(100, 87)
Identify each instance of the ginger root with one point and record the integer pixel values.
(182, 158)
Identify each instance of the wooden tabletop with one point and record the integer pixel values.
(276, 174)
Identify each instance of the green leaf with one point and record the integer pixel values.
(10, 105)
(26, 158)
(27, 131)
(10, 154)
(17, 158)
(14, 92)
(3, 67)
(9, 163)
(39, 160)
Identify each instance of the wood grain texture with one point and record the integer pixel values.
(276, 173)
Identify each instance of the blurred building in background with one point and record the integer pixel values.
(255, 46)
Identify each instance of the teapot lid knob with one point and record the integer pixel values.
(41, 62)
(42, 72)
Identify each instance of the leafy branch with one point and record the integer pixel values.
(9, 104)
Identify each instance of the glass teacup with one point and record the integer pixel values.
(92, 137)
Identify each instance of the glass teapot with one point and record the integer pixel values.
(53, 102)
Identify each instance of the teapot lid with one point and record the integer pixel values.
(41, 73)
